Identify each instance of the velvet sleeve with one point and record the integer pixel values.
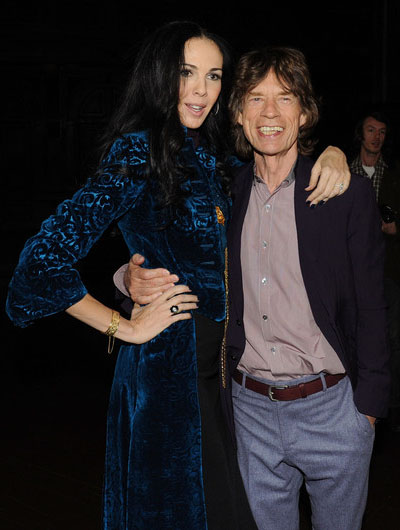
(45, 280)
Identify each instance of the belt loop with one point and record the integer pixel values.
(322, 376)
(244, 380)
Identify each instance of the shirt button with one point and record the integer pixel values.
(273, 349)
(265, 317)
(268, 207)
(264, 281)
(264, 244)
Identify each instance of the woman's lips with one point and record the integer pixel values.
(195, 109)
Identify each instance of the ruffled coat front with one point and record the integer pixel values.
(153, 476)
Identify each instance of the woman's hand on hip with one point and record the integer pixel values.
(170, 307)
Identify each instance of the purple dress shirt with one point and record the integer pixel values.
(282, 339)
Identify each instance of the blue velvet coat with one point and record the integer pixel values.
(153, 476)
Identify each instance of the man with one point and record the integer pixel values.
(374, 161)
(369, 139)
(370, 136)
(307, 313)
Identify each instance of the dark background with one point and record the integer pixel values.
(63, 65)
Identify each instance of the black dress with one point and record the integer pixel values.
(226, 502)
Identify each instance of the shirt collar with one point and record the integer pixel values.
(284, 184)
(357, 163)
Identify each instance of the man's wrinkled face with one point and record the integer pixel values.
(271, 117)
(374, 134)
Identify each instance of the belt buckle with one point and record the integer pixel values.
(271, 389)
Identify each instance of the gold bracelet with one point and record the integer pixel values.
(111, 331)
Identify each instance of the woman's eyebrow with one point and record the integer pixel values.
(195, 67)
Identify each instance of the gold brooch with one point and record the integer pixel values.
(220, 215)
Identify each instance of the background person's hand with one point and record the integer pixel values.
(389, 228)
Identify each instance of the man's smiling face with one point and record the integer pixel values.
(271, 117)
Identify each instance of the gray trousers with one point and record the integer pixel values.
(321, 439)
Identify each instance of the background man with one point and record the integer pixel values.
(374, 160)
(370, 137)
(306, 342)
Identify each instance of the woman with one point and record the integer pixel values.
(169, 462)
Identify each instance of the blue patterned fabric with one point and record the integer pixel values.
(153, 476)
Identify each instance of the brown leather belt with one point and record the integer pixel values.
(285, 392)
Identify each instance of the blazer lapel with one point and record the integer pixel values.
(309, 224)
(241, 196)
(308, 227)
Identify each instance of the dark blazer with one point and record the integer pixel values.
(341, 251)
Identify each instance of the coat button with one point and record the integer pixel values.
(233, 357)
(238, 322)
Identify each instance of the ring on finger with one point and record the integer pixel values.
(174, 309)
(340, 186)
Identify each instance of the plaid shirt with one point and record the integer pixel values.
(377, 177)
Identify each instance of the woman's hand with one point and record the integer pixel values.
(330, 176)
(148, 321)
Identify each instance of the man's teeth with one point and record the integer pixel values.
(270, 130)
(196, 107)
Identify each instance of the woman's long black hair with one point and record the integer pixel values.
(150, 102)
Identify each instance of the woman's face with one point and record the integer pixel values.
(201, 76)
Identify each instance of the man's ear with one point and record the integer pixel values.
(239, 118)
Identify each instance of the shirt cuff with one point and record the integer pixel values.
(118, 280)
